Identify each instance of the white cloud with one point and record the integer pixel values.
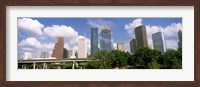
(67, 32)
(170, 32)
(33, 46)
(115, 46)
(130, 27)
(30, 42)
(31, 26)
(99, 23)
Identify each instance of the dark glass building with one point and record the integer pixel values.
(133, 46)
(105, 40)
(180, 38)
(94, 41)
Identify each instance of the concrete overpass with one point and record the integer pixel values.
(44, 61)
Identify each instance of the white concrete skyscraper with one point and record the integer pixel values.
(82, 48)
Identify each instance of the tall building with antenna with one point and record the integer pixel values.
(82, 48)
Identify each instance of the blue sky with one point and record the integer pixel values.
(37, 34)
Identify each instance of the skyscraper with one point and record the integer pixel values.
(141, 36)
(180, 38)
(70, 53)
(120, 46)
(159, 42)
(58, 48)
(65, 53)
(82, 48)
(94, 41)
(44, 54)
(133, 46)
(105, 40)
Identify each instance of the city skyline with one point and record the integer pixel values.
(43, 37)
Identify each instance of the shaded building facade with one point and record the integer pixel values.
(58, 48)
(65, 53)
(105, 40)
(180, 38)
(133, 46)
(94, 41)
(159, 42)
(141, 36)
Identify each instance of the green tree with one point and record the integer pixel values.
(171, 60)
(153, 65)
(144, 56)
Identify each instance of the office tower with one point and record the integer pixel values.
(58, 48)
(65, 53)
(27, 55)
(180, 38)
(133, 46)
(82, 48)
(94, 41)
(120, 46)
(159, 42)
(105, 40)
(76, 54)
(70, 53)
(44, 54)
(141, 37)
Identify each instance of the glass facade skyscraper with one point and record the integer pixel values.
(133, 46)
(159, 42)
(105, 41)
(94, 41)
(180, 38)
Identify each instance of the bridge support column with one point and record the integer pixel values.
(44, 65)
(59, 67)
(73, 65)
(34, 64)
(23, 66)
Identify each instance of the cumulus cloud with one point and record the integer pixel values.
(170, 32)
(115, 46)
(130, 27)
(30, 26)
(30, 42)
(67, 32)
(99, 23)
(33, 46)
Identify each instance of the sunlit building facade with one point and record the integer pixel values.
(58, 48)
(159, 42)
(120, 47)
(82, 48)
